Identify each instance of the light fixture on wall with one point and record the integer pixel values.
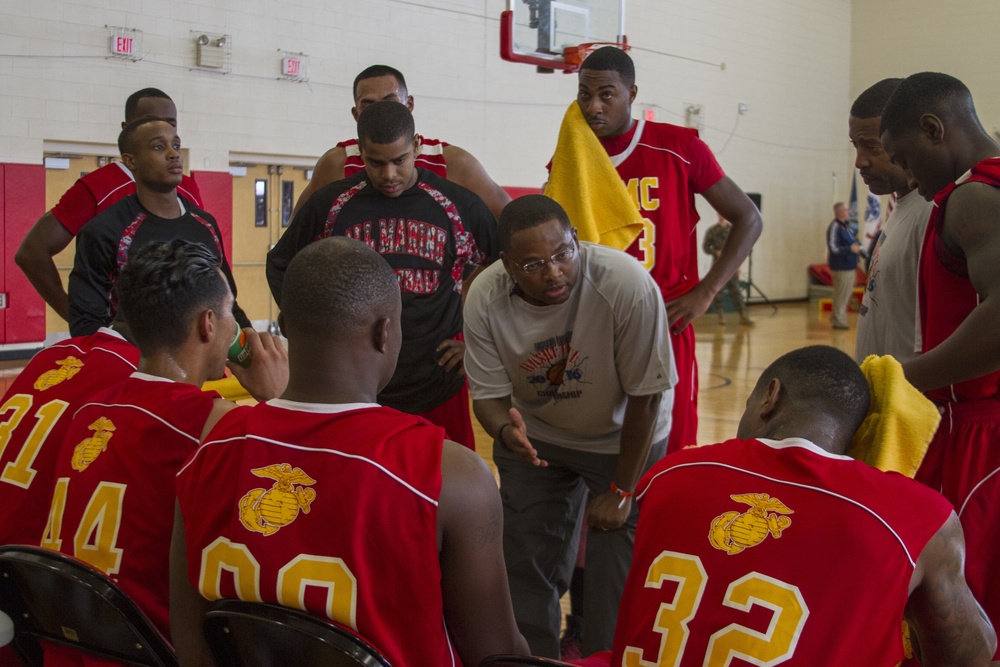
(694, 116)
(214, 51)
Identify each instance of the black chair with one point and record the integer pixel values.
(251, 634)
(53, 597)
(521, 661)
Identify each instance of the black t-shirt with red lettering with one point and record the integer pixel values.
(428, 234)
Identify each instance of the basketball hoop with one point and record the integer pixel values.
(575, 55)
(546, 35)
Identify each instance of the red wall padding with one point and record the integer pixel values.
(217, 195)
(22, 202)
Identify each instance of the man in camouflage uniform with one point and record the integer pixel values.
(715, 238)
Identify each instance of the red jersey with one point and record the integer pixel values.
(113, 503)
(331, 509)
(36, 412)
(99, 189)
(767, 552)
(663, 167)
(430, 157)
(946, 293)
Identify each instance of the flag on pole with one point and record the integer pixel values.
(852, 207)
(873, 216)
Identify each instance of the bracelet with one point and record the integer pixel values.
(624, 495)
(500, 432)
(617, 491)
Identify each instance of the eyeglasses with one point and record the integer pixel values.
(539, 264)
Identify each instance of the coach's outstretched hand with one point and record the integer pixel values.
(267, 376)
(515, 437)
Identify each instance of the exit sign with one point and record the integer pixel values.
(295, 66)
(122, 45)
(126, 43)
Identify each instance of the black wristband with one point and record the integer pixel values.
(500, 432)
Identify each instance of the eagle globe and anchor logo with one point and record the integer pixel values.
(267, 510)
(734, 532)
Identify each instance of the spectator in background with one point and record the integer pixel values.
(715, 239)
(842, 257)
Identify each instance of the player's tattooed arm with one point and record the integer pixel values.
(187, 606)
(474, 587)
(946, 622)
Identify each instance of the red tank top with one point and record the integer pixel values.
(35, 414)
(946, 293)
(331, 512)
(767, 552)
(112, 506)
(430, 157)
(663, 167)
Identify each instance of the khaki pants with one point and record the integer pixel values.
(843, 287)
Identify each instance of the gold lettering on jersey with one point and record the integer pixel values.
(68, 367)
(641, 192)
(265, 511)
(733, 532)
(87, 451)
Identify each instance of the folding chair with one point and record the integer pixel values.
(56, 598)
(521, 661)
(251, 634)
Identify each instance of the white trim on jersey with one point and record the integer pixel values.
(354, 150)
(131, 179)
(319, 408)
(113, 353)
(666, 150)
(974, 489)
(139, 375)
(143, 410)
(851, 501)
(804, 444)
(96, 348)
(402, 482)
(621, 157)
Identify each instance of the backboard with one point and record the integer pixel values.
(558, 34)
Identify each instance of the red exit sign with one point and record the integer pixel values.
(126, 43)
(291, 67)
(123, 46)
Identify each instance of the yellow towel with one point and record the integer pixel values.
(585, 183)
(901, 421)
(229, 388)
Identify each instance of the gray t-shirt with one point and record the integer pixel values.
(569, 368)
(889, 320)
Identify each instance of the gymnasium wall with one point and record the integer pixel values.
(789, 60)
(896, 39)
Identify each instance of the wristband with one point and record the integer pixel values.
(624, 495)
(500, 432)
